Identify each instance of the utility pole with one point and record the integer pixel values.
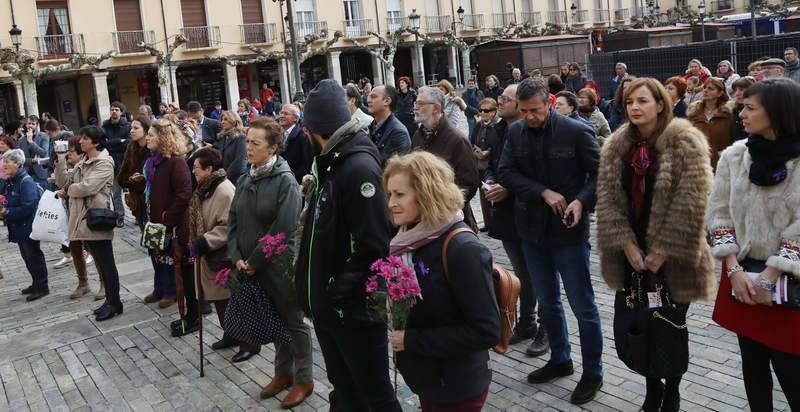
(753, 18)
(299, 96)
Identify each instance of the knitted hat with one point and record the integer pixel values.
(773, 62)
(326, 108)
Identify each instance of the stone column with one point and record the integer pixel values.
(465, 62)
(377, 70)
(102, 101)
(283, 75)
(20, 98)
(231, 85)
(452, 64)
(174, 83)
(417, 63)
(334, 67)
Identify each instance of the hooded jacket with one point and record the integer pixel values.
(88, 186)
(23, 197)
(455, 114)
(119, 135)
(345, 230)
(404, 109)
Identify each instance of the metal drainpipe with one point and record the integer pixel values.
(169, 63)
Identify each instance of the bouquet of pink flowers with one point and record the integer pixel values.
(3, 203)
(228, 279)
(275, 248)
(393, 290)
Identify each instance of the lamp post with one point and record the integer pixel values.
(16, 40)
(574, 10)
(753, 18)
(414, 18)
(702, 9)
(299, 96)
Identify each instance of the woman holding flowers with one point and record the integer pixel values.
(267, 202)
(442, 351)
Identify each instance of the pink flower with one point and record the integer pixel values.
(406, 273)
(413, 289)
(396, 292)
(222, 277)
(281, 249)
(268, 251)
(280, 237)
(376, 265)
(267, 239)
(395, 261)
(372, 286)
(373, 278)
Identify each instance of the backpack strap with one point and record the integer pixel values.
(447, 242)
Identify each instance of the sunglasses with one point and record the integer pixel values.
(485, 110)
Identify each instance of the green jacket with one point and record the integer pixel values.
(267, 204)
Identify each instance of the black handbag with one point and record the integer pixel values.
(101, 219)
(653, 342)
(789, 283)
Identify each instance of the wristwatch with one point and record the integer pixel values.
(734, 269)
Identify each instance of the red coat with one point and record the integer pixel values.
(776, 327)
(170, 192)
(703, 76)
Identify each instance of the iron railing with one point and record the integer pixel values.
(503, 19)
(306, 28)
(358, 27)
(472, 22)
(127, 42)
(438, 24)
(581, 16)
(601, 15)
(557, 17)
(621, 14)
(534, 18)
(201, 37)
(396, 23)
(258, 33)
(60, 46)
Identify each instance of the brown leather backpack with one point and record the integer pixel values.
(506, 290)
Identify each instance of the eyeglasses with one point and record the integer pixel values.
(419, 103)
(503, 99)
(485, 110)
(573, 70)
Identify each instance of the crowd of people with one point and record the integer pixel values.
(677, 173)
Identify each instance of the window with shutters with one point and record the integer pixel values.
(394, 14)
(304, 18)
(129, 26)
(194, 23)
(254, 31)
(54, 31)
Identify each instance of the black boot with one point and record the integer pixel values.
(672, 396)
(655, 394)
(525, 329)
(109, 311)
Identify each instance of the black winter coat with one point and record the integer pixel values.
(562, 156)
(119, 135)
(502, 225)
(234, 154)
(209, 130)
(345, 229)
(298, 152)
(472, 109)
(449, 332)
(391, 138)
(404, 109)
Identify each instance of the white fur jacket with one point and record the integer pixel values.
(759, 222)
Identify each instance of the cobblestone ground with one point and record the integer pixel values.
(53, 356)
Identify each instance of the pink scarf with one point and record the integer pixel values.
(409, 240)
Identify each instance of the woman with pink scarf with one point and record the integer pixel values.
(443, 352)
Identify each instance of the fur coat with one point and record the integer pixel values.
(718, 130)
(752, 221)
(676, 228)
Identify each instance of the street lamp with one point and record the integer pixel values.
(460, 13)
(16, 35)
(702, 9)
(298, 95)
(574, 10)
(414, 18)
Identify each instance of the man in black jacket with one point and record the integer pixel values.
(118, 132)
(388, 134)
(550, 164)
(298, 149)
(345, 229)
(472, 96)
(207, 128)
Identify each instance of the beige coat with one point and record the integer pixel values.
(676, 228)
(215, 211)
(88, 186)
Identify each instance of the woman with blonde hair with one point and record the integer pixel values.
(458, 302)
(245, 111)
(493, 88)
(652, 189)
(713, 115)
(454, 108)
(232, 145)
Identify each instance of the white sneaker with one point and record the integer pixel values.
(63, 262)
(89, 259)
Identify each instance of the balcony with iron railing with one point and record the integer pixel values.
(534, 18)
(503, 19)
(621, 14)
(356, 28)
(258, 33)
(557, 17)
(396, 23)
(438, 24)
(581, 16)
(60, 46)
(307, 28)
(721, 5)
(601, 16)
(202, 37)
(126, 42)
(472, 22)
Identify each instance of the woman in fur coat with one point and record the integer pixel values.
(713, 115)
(652, 188)
(755, 230)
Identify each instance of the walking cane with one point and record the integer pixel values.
(200, 297)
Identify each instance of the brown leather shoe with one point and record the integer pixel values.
(166, 302)
(297, 394)
(151, 298)
(277, 384)
(81, 290)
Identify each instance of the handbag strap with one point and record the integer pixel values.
(447, 242)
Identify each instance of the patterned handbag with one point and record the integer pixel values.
(156, 236)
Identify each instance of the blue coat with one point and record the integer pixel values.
(39, 147)
(617, 118)
(119, 135)
(391, 138)
(234, 155)
(298, 153)
(679, 110)
(23, 199)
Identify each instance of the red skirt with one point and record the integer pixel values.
(776, 327)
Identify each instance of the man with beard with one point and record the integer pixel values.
(436, 135)
(345, 229)
(118, 131)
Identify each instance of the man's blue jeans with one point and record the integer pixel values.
(545, 263)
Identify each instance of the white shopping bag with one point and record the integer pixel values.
(51, 223)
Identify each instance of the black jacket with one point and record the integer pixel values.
(391, 138)
(119, 135)
(562, 156)
(502, 225)
(449, 332)
(345, 229)
(234, 154)
(404, 109)
(472, 109)
(298, 152)
(210, 129)
(679, 110)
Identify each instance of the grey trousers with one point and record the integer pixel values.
(294, 358)
(116, 198)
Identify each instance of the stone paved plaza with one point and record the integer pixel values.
(54, 356)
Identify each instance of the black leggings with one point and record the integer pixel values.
(103, 254)
(756, 358)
